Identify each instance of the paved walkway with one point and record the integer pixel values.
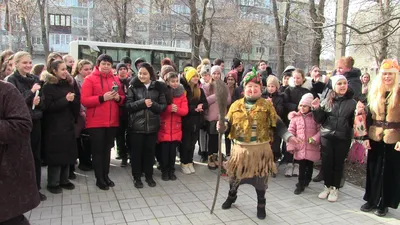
(188, 201)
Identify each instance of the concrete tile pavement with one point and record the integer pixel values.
(188, 201)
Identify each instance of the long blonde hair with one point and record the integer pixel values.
(378, 91)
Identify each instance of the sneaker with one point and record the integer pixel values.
(289, 170)
(333, 194)
(319, 177)
(191, 168)
(185, 169)
(295, 170)
(324, 194)
(137, 182)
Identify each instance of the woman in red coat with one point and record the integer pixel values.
(102, 95)
(170, 134)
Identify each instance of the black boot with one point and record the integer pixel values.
(101, 183)
(319, 177)
(381, 212)
(138, 182)
(109, 182)
(261, 214)
(367, 207)
(232, 196)
(299, 188)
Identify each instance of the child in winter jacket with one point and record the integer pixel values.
(336, 116)
(303, 126)
(170, 134)
(272, 93)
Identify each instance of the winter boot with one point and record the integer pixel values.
(299, 188)
(232, 196)
(319, 177)
(211, 163)
(261, 214)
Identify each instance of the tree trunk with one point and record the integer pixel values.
(384, 43)
(281, 34)
(318, 20)
(42, 5)
(27, 35)
(197, 30)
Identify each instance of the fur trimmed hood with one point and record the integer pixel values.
(49, 78)
(179, 91)
(307, 84)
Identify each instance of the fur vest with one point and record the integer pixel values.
(263, 113)
(386, 123)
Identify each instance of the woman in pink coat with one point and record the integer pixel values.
(303, 126)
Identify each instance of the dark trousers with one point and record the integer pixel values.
(101, 141)
(334, 152)
(276, 148)
(167, 156)
(84, 151)
(122, 148)
(18, 220)
(57, 175)
(287, 156)
(36, 142)
(189, 140)
(143, 147)
(305, 170)
(212, 145)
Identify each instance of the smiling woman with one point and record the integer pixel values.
(28, 85)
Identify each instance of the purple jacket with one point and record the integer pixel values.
(304, 127)
(213, 111)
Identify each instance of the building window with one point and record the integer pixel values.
(36, 41)
(180, 9)
(79, 21)
(60, 20)
(159, 42)
(163, 26)
(141, 27)
(81, 38)
(260, 49)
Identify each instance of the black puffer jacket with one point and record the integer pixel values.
(24, 85)
(337, 122)
(125, 86)
(142, 119)
(193, 121)
(294, 93)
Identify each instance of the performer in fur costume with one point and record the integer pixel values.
(253, 121)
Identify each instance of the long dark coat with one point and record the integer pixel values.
(59, 120)
(18, 190)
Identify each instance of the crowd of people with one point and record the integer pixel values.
(73, 110)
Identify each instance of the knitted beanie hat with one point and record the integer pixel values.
(335, 79)
(190, 74)
(273, 80)
(121, 65)
(306, 99)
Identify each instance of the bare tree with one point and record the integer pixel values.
(197, 26)
(281, 33)
(42, 4)
(317, 21)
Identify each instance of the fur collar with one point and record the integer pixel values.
(294, 114)
(307, 84)
(49, 78)
(179, 91)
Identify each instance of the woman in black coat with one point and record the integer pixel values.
(62, 99)
(144, 103)
(28, 85)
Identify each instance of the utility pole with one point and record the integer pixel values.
(88, 19)
(342, 9)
